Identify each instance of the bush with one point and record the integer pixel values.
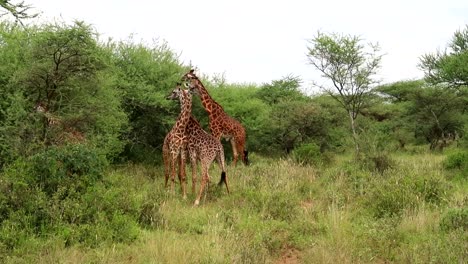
(455, 219)
(391, 197)
(308, 154)
(432, 189)
(150, 215)
(457, 160)
(375, 144)
(380, 162)
(61, 192)
(74, 166)
(281, 206)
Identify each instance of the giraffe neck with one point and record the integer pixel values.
(205, 97)
(185, 112)
(210, 105)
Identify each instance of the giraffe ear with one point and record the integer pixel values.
(192, 70)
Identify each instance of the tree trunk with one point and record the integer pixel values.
(353, 127)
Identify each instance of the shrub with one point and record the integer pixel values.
(281, 206)
(432, 189)
(73, 165)
(381, 162)
(457, 160)
(391, 197)
(308, 154)
(455, 219)
(150, 215)
(61, 192)
(375, 144)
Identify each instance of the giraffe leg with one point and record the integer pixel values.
(166, 164)
(234, 151)
(166, 173)
(194, 172)
(173, 171)
(243, 152)
(205, 178)
(182, 175)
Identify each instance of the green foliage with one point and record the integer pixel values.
(281, 206)
(293, 117)
(400, 91)
(58, 196)
(375, 145)
(72, 166)
(454, 219)
(457, 160)
(349, 67)
(457, 163)
(392, 197)
(64, 69)
(19, 11)
(439, 116)
(425, 113)
(449, 67)
(240, 102)
(278, 90)
(145, 76)
(308, 153)
(61, 192)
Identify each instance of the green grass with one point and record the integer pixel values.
(338, 213)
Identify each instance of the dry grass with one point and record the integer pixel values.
(278, 212)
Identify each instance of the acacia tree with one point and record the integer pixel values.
(447, 71)
(19, 10)
(451, 66)
(63, 69)
(349, 67)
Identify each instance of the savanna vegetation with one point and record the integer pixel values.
(359, 173)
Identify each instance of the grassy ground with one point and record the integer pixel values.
(280, 212)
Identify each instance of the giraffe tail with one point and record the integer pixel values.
(224, 180)
(246, 157)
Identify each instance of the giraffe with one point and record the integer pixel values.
(175, 142)
(205, 148)
(221, 124)
(63, 132)
(201, 147)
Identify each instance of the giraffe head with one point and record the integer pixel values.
(184, 96)
(192, 82)
(190, 76)
(176, 93)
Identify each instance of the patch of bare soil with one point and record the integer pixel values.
(289, 256)
(307, 205)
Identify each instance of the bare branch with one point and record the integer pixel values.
(19, 11)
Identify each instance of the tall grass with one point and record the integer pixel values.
(339, 213)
